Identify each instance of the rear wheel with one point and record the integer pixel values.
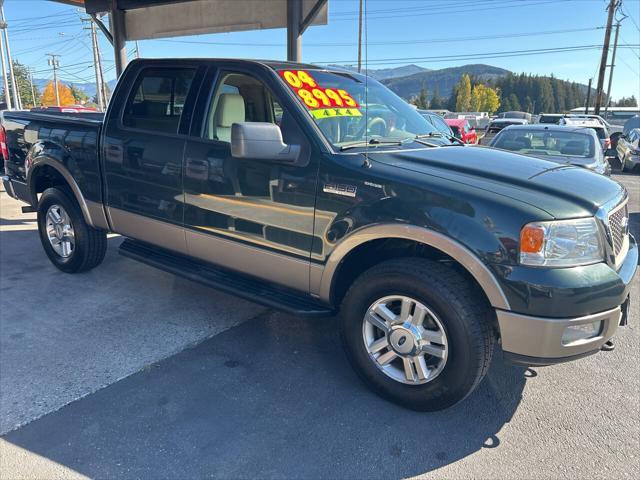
(70, 243)
(417, 332)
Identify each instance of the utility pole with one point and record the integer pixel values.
(96, 63)
(360, 39)
(137, 49)
(7, 93)
(613, 64)
(586, 105)
(54, 63)
(5, 33)
(613, 5)
(33, 92)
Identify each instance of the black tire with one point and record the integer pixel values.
(90, 243)
(462, 310)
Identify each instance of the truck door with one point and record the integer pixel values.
(142, 154)
(253, 216)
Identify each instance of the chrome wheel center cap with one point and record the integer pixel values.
(404, 340)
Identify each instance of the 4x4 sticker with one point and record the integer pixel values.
(336, 112)
(322, 102)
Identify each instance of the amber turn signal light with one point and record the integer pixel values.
(531, 239)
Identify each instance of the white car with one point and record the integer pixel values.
(593, 123)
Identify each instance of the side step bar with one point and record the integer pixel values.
(250, 288)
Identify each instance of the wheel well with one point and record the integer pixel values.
(46, 177)
(371, 253)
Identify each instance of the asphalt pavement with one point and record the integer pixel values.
(129, 372)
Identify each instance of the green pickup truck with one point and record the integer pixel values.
(318, 192)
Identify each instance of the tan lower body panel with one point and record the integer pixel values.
(261, 263)
(155, 232)
(258, 262)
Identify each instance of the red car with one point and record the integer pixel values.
(462, 130)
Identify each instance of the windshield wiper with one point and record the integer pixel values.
(451, 138)
(374, 142)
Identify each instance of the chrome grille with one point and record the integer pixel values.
(619, 230)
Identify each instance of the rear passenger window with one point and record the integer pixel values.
(158, 98)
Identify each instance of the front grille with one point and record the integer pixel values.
(619, 230)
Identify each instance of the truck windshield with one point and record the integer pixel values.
(352, 109)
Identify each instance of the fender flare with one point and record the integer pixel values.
(485, 278)
(92, 212)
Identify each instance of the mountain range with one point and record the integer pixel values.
(408, 80)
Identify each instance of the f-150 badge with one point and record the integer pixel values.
(344, 190)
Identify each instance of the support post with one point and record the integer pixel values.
(586, 105)
(14, 84)
(613, 5)
(7, 92)
(116, 22)
(294, 33)
(613, 64)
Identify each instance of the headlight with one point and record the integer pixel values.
(561, 243)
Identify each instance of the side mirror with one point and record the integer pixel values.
(261, 141)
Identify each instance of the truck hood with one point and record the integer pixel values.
(563, 191)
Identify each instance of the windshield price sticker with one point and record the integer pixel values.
(337, 101)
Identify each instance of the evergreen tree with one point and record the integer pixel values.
(463, 94)
(422, 102)
(23, 83)
(437, 102)
(514, 102)
(79, 96)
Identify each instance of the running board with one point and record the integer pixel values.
(249, 288)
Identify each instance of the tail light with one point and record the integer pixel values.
(3, 145)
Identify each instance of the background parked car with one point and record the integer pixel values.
(595, 125)
(629, 151)
(633, 122)
(553, 118)
(497, 125)
(437, 121)
(514, 114)
(576, 146)
(463, 130)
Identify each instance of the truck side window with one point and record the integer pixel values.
(157, 100)
(239, 98)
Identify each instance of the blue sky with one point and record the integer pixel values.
(399, 32)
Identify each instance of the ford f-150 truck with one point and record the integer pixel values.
(319, 191)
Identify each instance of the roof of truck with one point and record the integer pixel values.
(275, 64)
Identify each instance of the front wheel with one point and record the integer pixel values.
(71, 244)
(417, 332)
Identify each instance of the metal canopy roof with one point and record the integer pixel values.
(147, 19)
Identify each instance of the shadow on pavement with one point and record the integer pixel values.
(273, 397)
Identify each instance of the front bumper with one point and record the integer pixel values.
(534, 335)
(539, 340)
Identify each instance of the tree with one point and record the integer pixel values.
(437, 102)
(49, 94)
(627, 102)
(79, 97)
(514, 102)
(23, 83)
(421, 101)
(463, 94)
(484, 99)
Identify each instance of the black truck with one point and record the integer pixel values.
(319, 191)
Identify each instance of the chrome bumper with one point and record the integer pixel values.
(538, 340)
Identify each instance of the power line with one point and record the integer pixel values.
(396, 42)
(466, 56)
